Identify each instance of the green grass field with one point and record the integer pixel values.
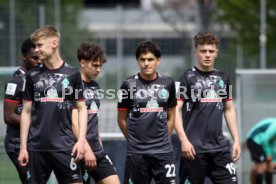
(8, 173)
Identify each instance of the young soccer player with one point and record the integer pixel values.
(261, 142)
(51, 91)
(13, 105)
(96, 163)
(204, 96)
(146, 110)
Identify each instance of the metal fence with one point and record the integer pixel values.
(16, 25)
(70, 17)
(255, 101)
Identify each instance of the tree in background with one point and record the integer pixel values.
(186, 17)
(177, 12)
(28, 20)
(243, 17)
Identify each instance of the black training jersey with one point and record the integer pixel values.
(53, 93)
(92, 101)
(13, 94)
(204, 94)
(147, 103)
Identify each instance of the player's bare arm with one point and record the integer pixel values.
(231, 120)
(171, 118)
(187, 148)
(122, 121)
(78, 149)
(75, 123)
(10, 116)
(89, 157)
(25, 122)
(100, 139)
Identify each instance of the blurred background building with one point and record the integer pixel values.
(246, 28)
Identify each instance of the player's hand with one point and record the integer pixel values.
(268, 159)
(236, 151)
(90, 159)
(271, 166)
(78, 150)
(188, 150)
(23, 158)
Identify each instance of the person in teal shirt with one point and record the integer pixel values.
(261, 142)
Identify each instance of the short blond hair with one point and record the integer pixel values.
(45, 32)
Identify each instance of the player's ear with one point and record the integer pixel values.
(158, 61)
(55, 42)
(23, 57)
(217, 51)
(82, 63)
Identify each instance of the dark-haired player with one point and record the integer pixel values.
(146, 110)
(13, 105)
(96, 164)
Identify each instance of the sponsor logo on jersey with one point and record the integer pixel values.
(51, 95)
(187, 181)
(152, 106)
(11, 88)
(65, 83)
(221, 83)
(172, 182)
(164, 94)
(85, 176)
(234, 179)
(28, 175)
(75, 176)
(211, 97)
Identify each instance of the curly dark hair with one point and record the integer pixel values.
(206, 38)
(91, 51)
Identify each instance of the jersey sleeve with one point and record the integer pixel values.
(78, 87)
(124, 97)
(229, 90)
(14, 90)
(28, 93)
(172, 97)
(181, 87)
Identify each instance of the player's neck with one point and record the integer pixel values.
(54, 62)
(85, 78)
(24, 67)
(205, 69)
(148, 77)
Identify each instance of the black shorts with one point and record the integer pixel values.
(256, 151)
(218, 166)
(104, 169)
(62, 163)
(22, 171)
(143, 168)
(126, 175)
